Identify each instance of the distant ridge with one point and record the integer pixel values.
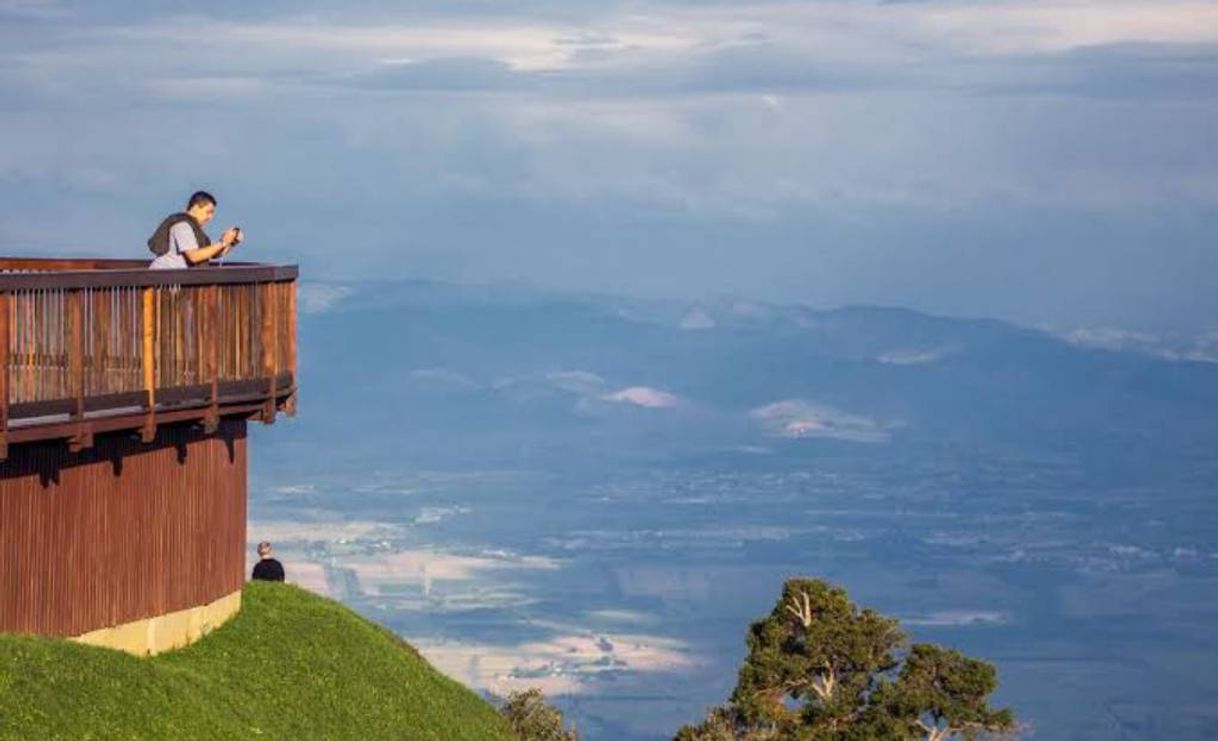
(289, 665)
(491, 371)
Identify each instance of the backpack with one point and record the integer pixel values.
(158, 243)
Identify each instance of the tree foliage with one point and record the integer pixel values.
(533, 719)
(819, 668)
(943, 693)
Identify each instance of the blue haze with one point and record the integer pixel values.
(1046, 506)
(1008, 159)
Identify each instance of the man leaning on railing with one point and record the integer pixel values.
(180, 242)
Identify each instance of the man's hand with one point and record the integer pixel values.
(203, 255)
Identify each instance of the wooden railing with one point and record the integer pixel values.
(94, 345)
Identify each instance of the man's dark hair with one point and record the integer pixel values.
(200, 198)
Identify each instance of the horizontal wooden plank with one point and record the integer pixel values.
(144, 277)
(121, 422)
(253, 389)
(84, 263)
(69, 263)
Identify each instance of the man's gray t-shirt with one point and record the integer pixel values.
(181, 238)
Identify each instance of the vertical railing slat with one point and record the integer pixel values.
(148, 433)
(101, 332)
(212, 337)
(76, 368)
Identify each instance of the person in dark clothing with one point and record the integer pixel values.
(267, 568)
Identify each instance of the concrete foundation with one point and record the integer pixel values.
(161, 633)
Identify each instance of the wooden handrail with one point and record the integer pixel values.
(60, 264)
(111, 278)
(148, 363)
(23, 264)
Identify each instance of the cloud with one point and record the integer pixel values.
(644, 396)
(798, 418)
(569, 663)
(28, 10)
(583, 383)
(1176, 346)
(717, 110)
(906, 356)
(425, 567)
(592, 391)
(697, 319)
(438, 74)
(1133, 71)
(286, 531)
(958, 618)
(670, 48)
(1003, 28)
(443, 378)
(319, 298)
(818, 151)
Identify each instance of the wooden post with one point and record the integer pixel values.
(148, 432)
(290, 405)
(266, 302)
(211, 338)
(76, 371)
(31, 345)
(101, 337)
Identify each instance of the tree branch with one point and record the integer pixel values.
(825, 684)
(801, 611)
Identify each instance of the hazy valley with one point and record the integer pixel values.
(596, 496)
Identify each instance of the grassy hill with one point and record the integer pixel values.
(290, 665)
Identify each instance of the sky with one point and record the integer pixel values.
(1051, 163)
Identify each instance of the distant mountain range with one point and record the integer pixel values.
(426, 371)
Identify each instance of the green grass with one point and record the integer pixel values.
(290, 665)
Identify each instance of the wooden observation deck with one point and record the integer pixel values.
(124, 398)
(93, 346)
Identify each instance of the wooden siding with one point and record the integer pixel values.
(121, 531)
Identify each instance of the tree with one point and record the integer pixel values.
(811, 662)
(943, 694)
(533, 719)
(819, 667)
